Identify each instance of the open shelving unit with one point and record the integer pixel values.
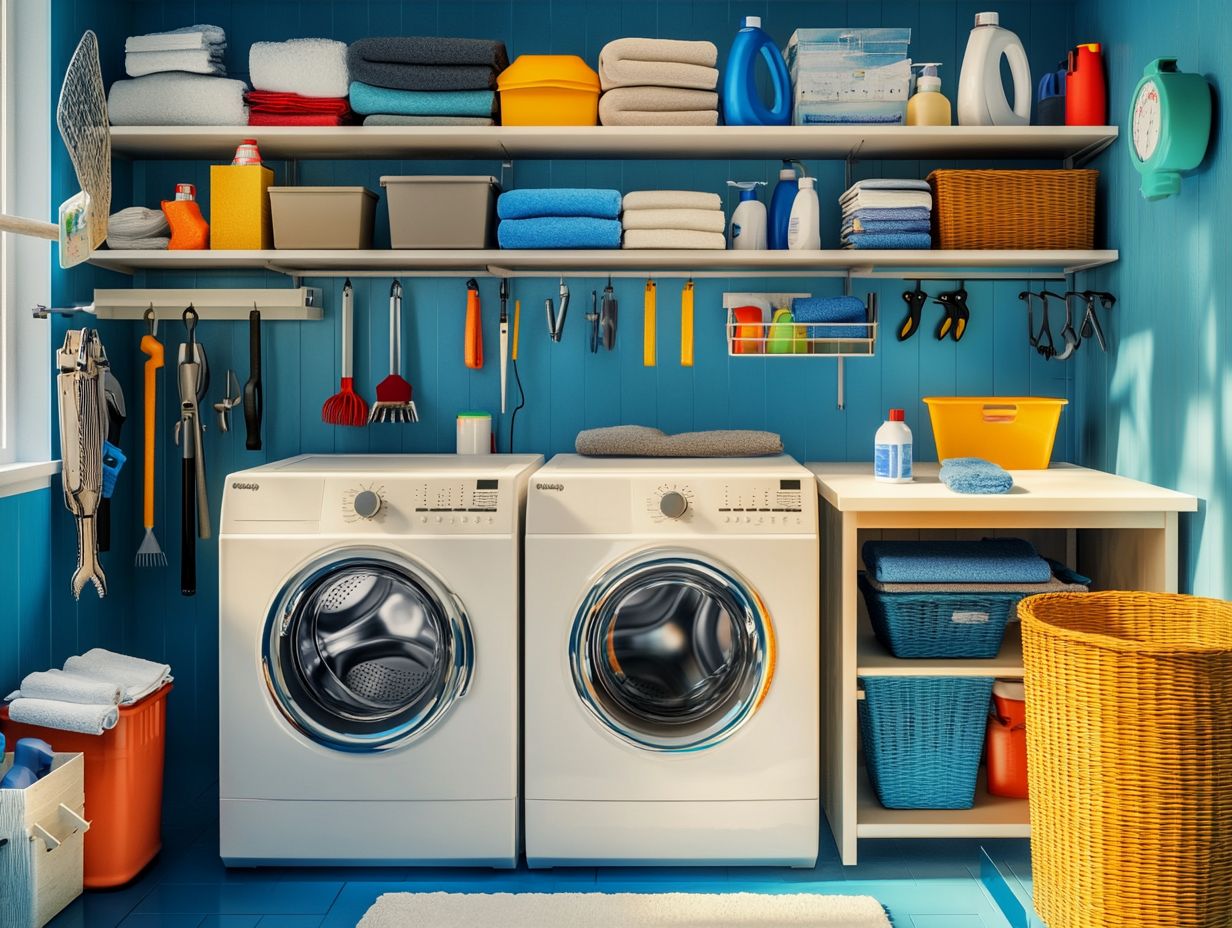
(990, 817)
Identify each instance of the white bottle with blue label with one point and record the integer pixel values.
(892, 452)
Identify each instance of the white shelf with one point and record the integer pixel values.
(991, 817)
(529, 263)
(875, 661)
(295, 305)
(617, 142)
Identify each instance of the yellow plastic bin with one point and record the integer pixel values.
(1016, 432)
(549, 90)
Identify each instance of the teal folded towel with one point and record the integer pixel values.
(561, 201)
(906, 240)
(975, 475)
(993, 560)
(886, 225)
(559, 232)
(366, 99)
(831, 309)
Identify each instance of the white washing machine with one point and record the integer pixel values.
(671, 662)
(368, 674)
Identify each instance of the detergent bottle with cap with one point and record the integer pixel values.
(780, 204)
(804, 227)
(748, 222)
(32, 758)
(928, 106)
(742, 103)
(1086, 90)
(892, 450)
(981, 93)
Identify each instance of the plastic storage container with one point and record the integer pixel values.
(849, 75)
(322, 217)
(123, 787)
(549, 90)
(922, 739)
(939, 624)
(1007, 741)
(441, 212)
(1016, 432)
(1014, 209)
(240, 207)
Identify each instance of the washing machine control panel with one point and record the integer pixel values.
(755, 506)
(414, 506)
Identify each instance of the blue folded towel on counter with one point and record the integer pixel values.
(870, 240)
(993, 560)
(888, 212)
(886, 225)
(367, 99)
(564, 201)
(975, 475)
(559, 232)
(831, 309)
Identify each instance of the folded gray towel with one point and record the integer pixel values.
(427, 62)
(658, 63)
(658, 106)
(392, 119)
(641, 441)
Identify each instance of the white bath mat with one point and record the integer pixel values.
(623, 910)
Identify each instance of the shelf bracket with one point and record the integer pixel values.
(1086, 155)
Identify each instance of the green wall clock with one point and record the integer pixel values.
(1170, 125)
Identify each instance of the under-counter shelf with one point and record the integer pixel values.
(990, 817)
(873, 660)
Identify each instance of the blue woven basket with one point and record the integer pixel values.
(939, 624)
(923, 737)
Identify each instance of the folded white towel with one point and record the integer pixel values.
(64, 716)
(176, 99)
(192, 60)
(202, 36)
(68, 687)
(658, 106)
(136, 677)
(671, 199)
(697, 220)
(677, 239)
(884, 199)
(308, 67)
(659, 63)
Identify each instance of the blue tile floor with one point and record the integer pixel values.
(922, 883)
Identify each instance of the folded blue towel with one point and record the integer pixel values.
(975, 475)
(993, 560)
(831, 309)
(889, 240)
(888, 212)
(559, 232)
(366, 99)
(887, 225)
(564, 201)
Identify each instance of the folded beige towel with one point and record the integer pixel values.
(658, 63)
(677, 239)
(658, 106)
(696, 220)
(641, 441)
(671, 199)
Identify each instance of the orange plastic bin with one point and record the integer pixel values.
(124, 786)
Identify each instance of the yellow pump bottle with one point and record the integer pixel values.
(928, 106)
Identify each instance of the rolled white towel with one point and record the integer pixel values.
(200, 36)
(64, 716)
(134, 675)
(68, 687)
(697, 220)
(308, 67)
(671, 199)
(137, 222)
(176, 99)
(193, 60)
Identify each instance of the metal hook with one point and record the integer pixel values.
(151, 319)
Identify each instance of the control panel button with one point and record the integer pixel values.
(673, 504)
(367, 504)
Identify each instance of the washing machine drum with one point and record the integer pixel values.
(672, 651)
(366, 652)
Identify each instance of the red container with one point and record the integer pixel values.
(1086, 90)
(124, 786)
(1006, 741)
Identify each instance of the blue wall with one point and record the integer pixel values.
(1156, 407)
(567, 389)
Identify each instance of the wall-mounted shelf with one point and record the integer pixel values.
(990, 817)
(1075, 144)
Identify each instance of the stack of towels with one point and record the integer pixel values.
(86, 695)
(138, 228)
(658, 82)
(425, 80)
(942, 566)
(177, 82)
(831, 310)
(682, 219)
(887, 214)
(564, 218)
(303, 82)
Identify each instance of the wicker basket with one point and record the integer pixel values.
(1013, 209)
(1129, 722)
(923, 737)
(939, 624)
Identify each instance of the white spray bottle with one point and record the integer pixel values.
(748, 221)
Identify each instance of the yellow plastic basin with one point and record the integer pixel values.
(1016, 432)
(549, 90)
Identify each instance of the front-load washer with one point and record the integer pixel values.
(368, 667)
(671, 662)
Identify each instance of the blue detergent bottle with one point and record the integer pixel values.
(780, 206)
(742, 104)
(32, 759)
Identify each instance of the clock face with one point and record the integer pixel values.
(1147, 122)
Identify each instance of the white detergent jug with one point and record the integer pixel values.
(981, 94)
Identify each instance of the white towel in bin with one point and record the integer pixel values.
(137, 677)
(69, 687)
(65, 716)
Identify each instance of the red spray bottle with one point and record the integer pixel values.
(1086, 91)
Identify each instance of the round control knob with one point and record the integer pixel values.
(673, 504)
(367, 504)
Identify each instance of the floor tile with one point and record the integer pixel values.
(289, 921)
(272, 898)
(162, 921)
(236, 921)
(947, 921)
(354, 900)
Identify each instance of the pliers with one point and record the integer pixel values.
(1090, 320)
(954, 322)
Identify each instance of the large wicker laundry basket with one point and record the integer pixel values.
(1129, 759)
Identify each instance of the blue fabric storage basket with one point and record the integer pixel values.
(939, 624)
(923, 737)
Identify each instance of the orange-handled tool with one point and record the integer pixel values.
(150, 554)
(473, 347)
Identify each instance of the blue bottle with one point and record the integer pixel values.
(742, 104)
(32, 759)
(780, 206)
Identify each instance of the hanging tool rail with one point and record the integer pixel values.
(285, 305)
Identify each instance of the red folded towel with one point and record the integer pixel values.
(266, 101)
(258, 118)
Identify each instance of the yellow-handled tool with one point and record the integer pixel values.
(149, 554)
(648, 325)
(686, 325)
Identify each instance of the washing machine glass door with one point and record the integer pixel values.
(672, 651)
(365, 650)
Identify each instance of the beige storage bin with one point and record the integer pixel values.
(42, 832)
(322, 217)
(441, 212)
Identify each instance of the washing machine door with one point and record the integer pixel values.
(365, 650)
(672, 651)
